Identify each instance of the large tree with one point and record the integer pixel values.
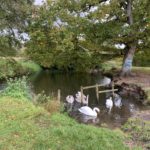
(122, 22)
(100, 23)
(137, 22)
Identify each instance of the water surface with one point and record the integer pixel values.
(70, 83)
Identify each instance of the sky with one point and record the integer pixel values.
(38, 2)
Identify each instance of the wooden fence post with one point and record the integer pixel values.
(59, 95)
(97, 94)
(81, 95)
(113, 89)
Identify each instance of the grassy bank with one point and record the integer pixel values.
(139, 129)
(117, 63)
(25, 126)
(11, 68)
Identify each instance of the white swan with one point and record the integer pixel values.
(70, 99)
(69, 103)
(109, 104)
(106, 81)
(88, 111)
(117, 100)
(85, 99)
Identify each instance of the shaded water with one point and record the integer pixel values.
(70, 83)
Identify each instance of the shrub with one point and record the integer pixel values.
(50, 103)
(9, 68)
(17, 88)
(41, 98)
(142, 59)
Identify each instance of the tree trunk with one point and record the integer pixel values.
(128, 59)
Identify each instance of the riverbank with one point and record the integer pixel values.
(137, 85)
(25, 126)
(138, 127)
(140, 76)
(11, 68)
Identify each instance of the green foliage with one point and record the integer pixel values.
(63, 54)
(41, 98)
(142, 59)
(24, 126)
(17, 88)
(10, 67)
(29, 66)
(59, 46)
(5, 48)
(62, 32)
(14, 16)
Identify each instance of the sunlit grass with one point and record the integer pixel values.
(30, 65)
(142, 69)
(10, 67)
(24, 126)
(113, 63)
(117, 63)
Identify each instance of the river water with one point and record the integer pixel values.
(69, 84)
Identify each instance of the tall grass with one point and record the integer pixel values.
(17, 88)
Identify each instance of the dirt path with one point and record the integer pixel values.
(139, 78)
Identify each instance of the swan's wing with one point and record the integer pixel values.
(87, 111)
(109, 103)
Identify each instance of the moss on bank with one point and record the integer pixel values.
(25, 126)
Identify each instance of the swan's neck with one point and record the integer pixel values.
(96, 110)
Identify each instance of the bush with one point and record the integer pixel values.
(142, 59)
(50, 103)
(9, 68)
(12, 68)
(41, 98)
(17, 88)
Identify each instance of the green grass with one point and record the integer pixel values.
(17, 88)
(113, 63)
(30, 65)
(117, 63)
(139, 131)
(10, 67)
(142, 69)
(24, 126)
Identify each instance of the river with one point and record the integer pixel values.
(69, 84)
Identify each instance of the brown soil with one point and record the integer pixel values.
(143, 115)
(139, 78)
